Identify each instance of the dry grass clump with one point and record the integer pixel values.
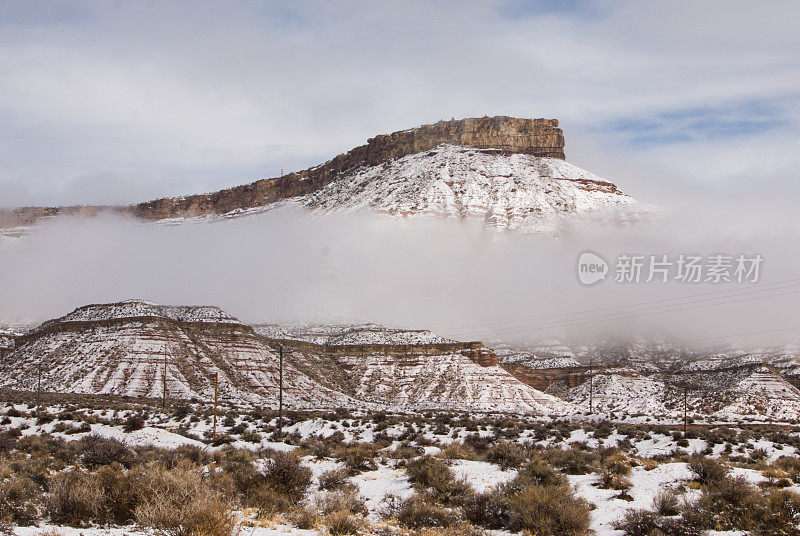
(343, 522)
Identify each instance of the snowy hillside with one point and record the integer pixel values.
(350, 334)
(141, 349)
(516, 192)
(506, 191)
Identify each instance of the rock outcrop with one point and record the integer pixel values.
(536, 137)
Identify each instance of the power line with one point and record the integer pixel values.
(737, 334)
(643, 312)
(778, 285)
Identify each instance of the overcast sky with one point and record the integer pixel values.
(117, 102)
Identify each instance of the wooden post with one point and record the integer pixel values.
(685, 409)
(39, 383)
(216, 394)
(164, 404)
(591, 386)
(280, 391)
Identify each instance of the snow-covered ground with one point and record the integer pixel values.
(656, 453)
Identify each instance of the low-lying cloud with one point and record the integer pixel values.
(454, 277)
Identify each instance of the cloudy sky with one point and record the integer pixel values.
(117, 102)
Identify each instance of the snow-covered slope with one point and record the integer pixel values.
(623, 391)
(506, 191)
(137, 348)
(503, 191)
(335, 334)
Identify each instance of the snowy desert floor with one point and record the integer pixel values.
(72, 468)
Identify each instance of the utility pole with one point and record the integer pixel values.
(39, 383)
(164, 404)
(685, 409)
(280, 391)
(216, 394)
(591, 385)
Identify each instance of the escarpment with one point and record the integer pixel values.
(535, 137)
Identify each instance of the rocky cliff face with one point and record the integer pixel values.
(536, 137)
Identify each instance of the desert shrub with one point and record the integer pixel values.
(759, 454)
(458, 452)
(36, 469)
(45, 445)
(20, 500)
(181, 411)
(477, 443)
(347, 500)
(417, 512)
(8, 441)
(776, 476)
(120, 491)
(790, 464)
(343, 522)
(735, 504)
(179, 502)
(617, 464)
(251, 437)
(76, 499)
(665, 502)
(97, 451)
(646, 523)
(267, 502)
(506, 454)
(333, 479)
(358, 457)
(204, 514)
(726, 504)
(490, 509)
(572, 461)
(133, 423)
(782, 513)
(404, 452)
(304, 517)
(707, 471)
(549, 511)
(286, 475)
(609, 480)
(538, 472)
(433, 474)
